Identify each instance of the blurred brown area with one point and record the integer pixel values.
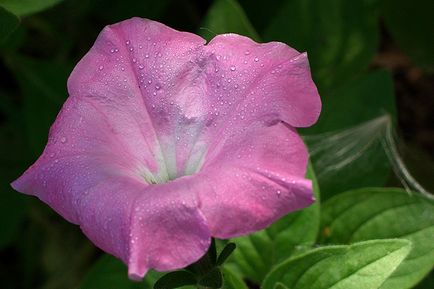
(414, 91)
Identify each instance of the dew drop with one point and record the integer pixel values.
(101, 67)
(256, 59)
(247, 52)
(127, 42)
(63, 140)
(141, 67)
(233, 68)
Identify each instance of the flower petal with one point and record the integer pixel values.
(273, 74)
(149, 104)
(90, 177)
(257, 179)
(168, 231)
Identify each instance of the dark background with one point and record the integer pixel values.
(367, 57)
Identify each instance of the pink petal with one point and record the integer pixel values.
(254, 180)
(272, 75)
(149, 104)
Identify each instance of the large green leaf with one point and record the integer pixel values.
(376, 213)
(24, 7)
(364, 265)
(226, 16)
(258, 253)
(411, 24)
(43, 85)
(340, 36)
(110, 273)
(345, 143)
(8, 23)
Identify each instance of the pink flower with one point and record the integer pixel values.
(165, 141)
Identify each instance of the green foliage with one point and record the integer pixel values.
(411, 24)
(25, 7)
(8, 23)
(232, 281)
(43, 86)
(340, 36)
(359, 266)
(175, 279)
(110, 273)
(359, 101)
(370, 213)
(257, 253)
(226, 16)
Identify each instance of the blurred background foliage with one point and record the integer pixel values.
(372, 60)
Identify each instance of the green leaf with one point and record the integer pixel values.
(364, 265)
(232, 281)
(258, 253)
(213, 279)
(226, 16)
(43, 85)
(110, 273)
(376, 213)
(411, 24)
(8, 23)
(25, 7)
(225, 253)
(175, 279)
(340, 36)
(348, 157)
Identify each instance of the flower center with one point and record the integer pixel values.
(175, 160)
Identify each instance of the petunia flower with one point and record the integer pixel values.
(165, 142)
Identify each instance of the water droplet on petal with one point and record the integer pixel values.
(63, 140)
(247, 52)
(233, 68)
(256, 59)
(101, 67)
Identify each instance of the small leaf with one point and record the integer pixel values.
(378, 213)
(364, 265)
(8, 23)
(212, 279)
(175, 279)
(258, 253)
(110, 273)
(225, 253)
(226, 16)
(212, 251)
(25, 7)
